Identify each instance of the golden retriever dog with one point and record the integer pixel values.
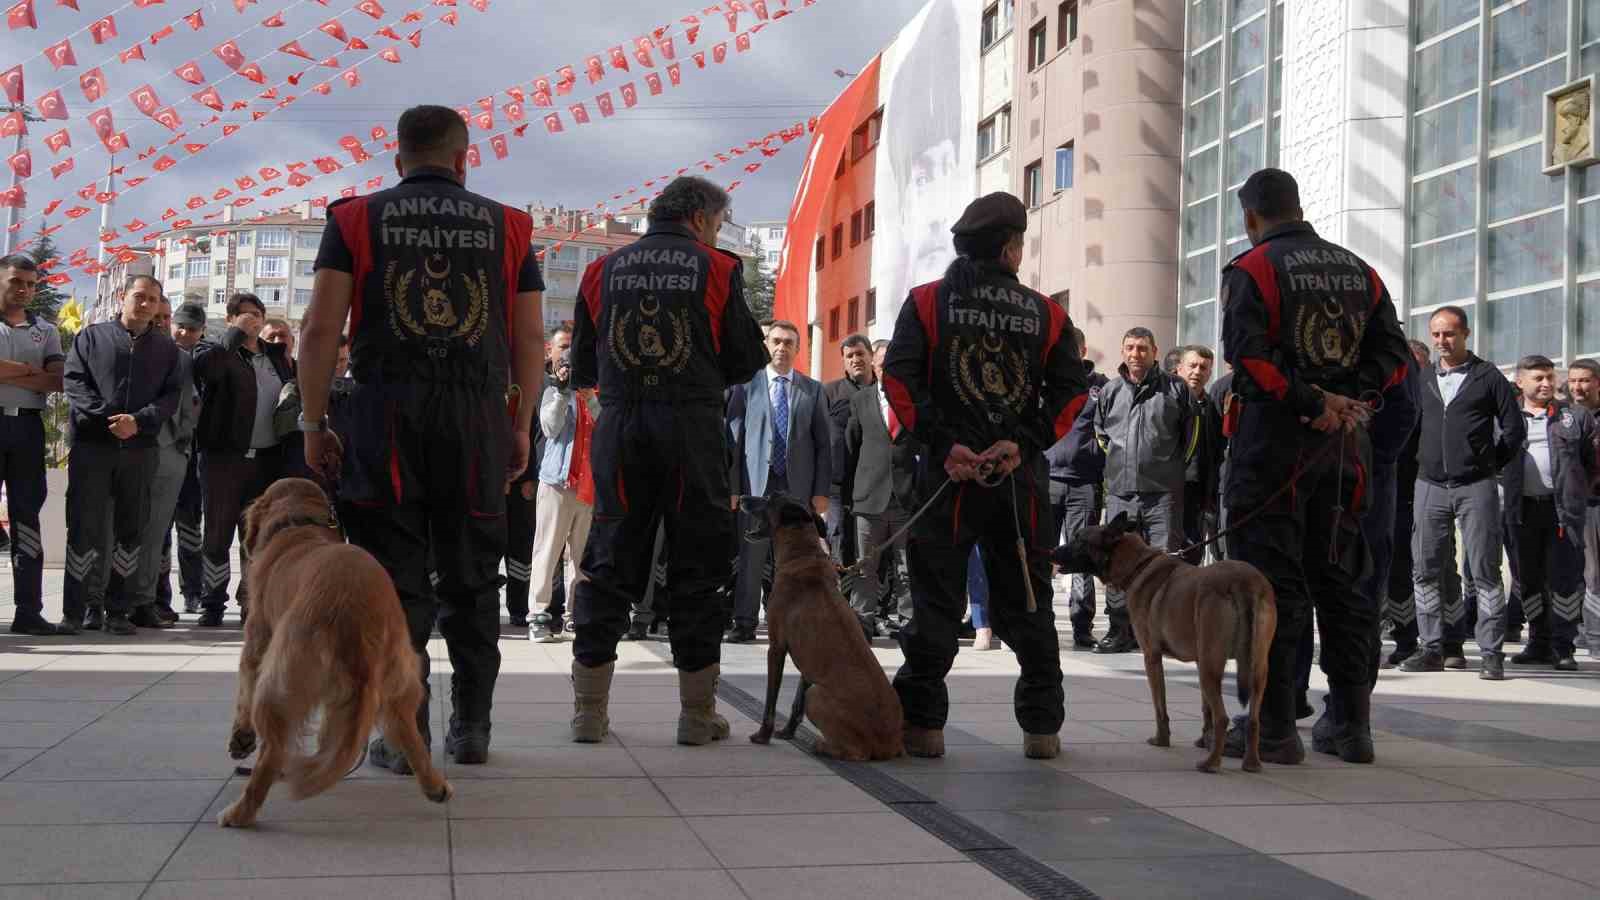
(325, 631)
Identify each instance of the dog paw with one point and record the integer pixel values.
(234, 817)
(1252, 765)
(761, 737)
(242, 743)
(443, 793)
(1159, 741)
(1210, 768)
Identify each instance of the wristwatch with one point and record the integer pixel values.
(319, 425)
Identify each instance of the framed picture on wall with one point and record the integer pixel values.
(1569, 115)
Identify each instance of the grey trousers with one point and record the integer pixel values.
(1476, 508)
(655, 592)
(871, 533)
(1077, 506)
(1160, 518)
(1591, 578)
(172, 466)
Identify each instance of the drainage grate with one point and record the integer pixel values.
(1030, 876)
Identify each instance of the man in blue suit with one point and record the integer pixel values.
(782, 445)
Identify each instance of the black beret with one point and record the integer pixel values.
(994, 212)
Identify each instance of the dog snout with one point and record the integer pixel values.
(1073, 557)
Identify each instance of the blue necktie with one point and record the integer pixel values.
(780, 428)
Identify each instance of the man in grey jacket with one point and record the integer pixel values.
(174, 444)
(1142, 419)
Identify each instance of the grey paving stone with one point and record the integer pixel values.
(1040, 790)
(123, 891)
(1201, 878)
(765, 794)
(936, 880)
(104, 803)
(1491, 823)
(435, 887)
(575, 845)
(1473, 875)
(641, 885)
(1101, 833)
(818, 840)
(57, 854)
(558, 798)
(311, 849)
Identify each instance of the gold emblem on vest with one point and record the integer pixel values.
(406, 295)
(638, 339)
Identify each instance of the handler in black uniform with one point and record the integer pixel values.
(662, 329)
(1314, 342)
(443, 296)
(980, 361)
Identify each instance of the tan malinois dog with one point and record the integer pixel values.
(842, 687)
(1204, 615)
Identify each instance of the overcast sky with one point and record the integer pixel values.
(786, 76)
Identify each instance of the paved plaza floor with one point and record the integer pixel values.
(113, 768)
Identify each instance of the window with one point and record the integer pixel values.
(217, 297)
(872, 305)
(175, 273)
(199, 268)
(272, 267)
(305, 268)
(854, 316)
(1064, 166)
(273, 239)
(1036, 47)
(221, 267)
(869, 219)
(994, 134)
(242, 239)
(822, 251)
(1066, 24)
(855, 228)
(772, 258)
(838, 240)
(1033, 185)
(302, 296)
(843, 159)
(991, 26)
(858, 142)
(591, 254)
(833, 325)
(307, 240)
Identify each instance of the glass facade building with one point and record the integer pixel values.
(1485, 226)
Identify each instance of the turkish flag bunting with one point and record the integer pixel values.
(161, 35)
(239, 5)
(414, 16)
(335, 29)
(350, 142)
(389, 54)
(169, 215)
(415, 39)
(479, 5)
(297, 179)
(484, 120)
(735, 186)
(190, 72)
(257, 116)
(371, 7)
(541, 98)
(58, 140)
(674, 75)
(719, 53)
(374, 183)
(195, 202)
(195, 20)
(136, 225)
(753, 168)
(595, 68)
(209, 97)
(465, 114)
(222, 194)
(693, 34)
(194, 148)
(164, 163)
(580, 114)
(498, 144)
(379, 133)
(517, 94)
(733, 20)
(270, 93)
(293, 48)
(641, 52)
(565, 79)
(700, 60)
(77, 212)
(668, 51)
(61, 54)
(515, 112)
(272, 191)
(132, 53)
(100, 120)
(351, 77)
(21, 164)
(473, 158)
(11, 79)
(59, 278)
(270, 174)
(21, 16)
(760, 7)
(630, 95)
(619, 59)
(253, 72)
(603, 101)
(449, 18)
(103, 30)
(51, 106)
(245, 183)
(115, 143)
(653, 82)
(273, 21)
(228, 130)
(93, 84)
(520, 130)
(62, 168)
(552, 123)
(230, 55)
(327, 165)
(324, 88)
(357, 44)
(742, 42)
(388, 32)
(331, 62)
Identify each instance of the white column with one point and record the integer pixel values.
(1344, 124)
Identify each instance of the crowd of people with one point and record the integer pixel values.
(601, 464)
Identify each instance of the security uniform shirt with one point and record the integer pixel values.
(36, 343)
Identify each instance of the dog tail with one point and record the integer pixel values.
(1252, 633)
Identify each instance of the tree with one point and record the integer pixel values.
(47, 299)
(759, 286)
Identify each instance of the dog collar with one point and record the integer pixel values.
(328, 521)
(1137, 570)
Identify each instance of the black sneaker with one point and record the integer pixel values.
(95, 620)
(1083, 640)
(1455, 658)
(33, 626)
(147, 617)
(380, 754)
(69, 625)
(1285, 751)
(1400, 655)
(518, 622)
(193, 605)
(1565, 663)
(1494, 667)
(1423, 661)
(1534, 655)
(740, 634)
(467, 745)
(117, 623)
(211, 618)
(167, 614)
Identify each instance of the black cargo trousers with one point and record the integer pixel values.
(1309, 543)
(937, 552)
(424, 482)
(657, 462)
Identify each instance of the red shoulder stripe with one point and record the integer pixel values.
(719, 286)
(519, 231)
(351, 220)
(1259, 268)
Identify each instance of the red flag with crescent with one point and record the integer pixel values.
(11, 79)
(190, 72)
(93, 83)
(209, 97)
(51, 106)
(103, 30)
(61, 54)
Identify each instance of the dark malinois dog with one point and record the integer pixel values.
(1205, 615)
(842, 687)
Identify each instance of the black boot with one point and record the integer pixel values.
(1354, 738)
(1323, 733)
(1286, 750)
(96, 619)
(467, 743)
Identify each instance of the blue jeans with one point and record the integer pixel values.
(977, 590)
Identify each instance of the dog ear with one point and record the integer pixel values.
(1121, 523)
(252, 524)
(753, 506)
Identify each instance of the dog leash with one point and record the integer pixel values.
(859, 567)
